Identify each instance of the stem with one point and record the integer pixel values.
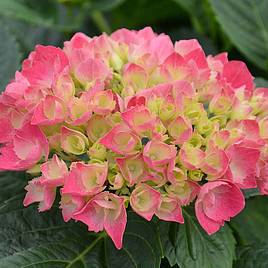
(101, 22)
(88, 249)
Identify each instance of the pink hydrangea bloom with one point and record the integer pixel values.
(85, 179)
(105, 211)
(145, 201)
(133, 118)
(132, 168)
(54, 171)
(169, 210)
(157, 154)
(37, 192)
(121, 140)
(70, 204)
(27, 146)
(216, 203)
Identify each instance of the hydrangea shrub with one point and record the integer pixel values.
(133, 120)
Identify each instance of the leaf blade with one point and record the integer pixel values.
(194, 249)
(239, 19)
(9, 57)
(43, 240)
(251, 223)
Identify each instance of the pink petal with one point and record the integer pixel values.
(115, 224)
(157, 153)
(70, 204)
(92, 215)
(39, 193)
(144, 200)
(132, 168)
(191, 157)
(170, 210)
(54, 171)
(105, 211)
(28, 146)
(103, 102)
(184, 47)
(91, 70)
(262, 180)
(215, 163)
(237, 74)
(217, 202)
(180, 130)
(135, 77)
(49, 112)
(6, 130)
(43, 65)
(121, 140)
(208, 225)
(85, 179)
(243, 163)
(175, 68)
(140, 120)
(229, 200)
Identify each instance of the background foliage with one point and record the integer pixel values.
(30, 239)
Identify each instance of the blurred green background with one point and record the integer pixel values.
(239, 27)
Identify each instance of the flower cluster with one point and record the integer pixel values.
(133, 120)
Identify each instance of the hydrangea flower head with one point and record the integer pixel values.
(133, 119)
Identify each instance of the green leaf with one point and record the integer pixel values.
(187, 33)
(105, 5)
(190, 247)
(255, 256)
(142, 246)
(99, 5)
(11, 184)
(168, 234)
(28, 36)
(18, 10)
(203, 20)
(43, 240)
(251, 192)
(9, 57)
(146, 12)
(251, 224)
(32, 239)
(246, 24)
(261, 82)
(188, 6)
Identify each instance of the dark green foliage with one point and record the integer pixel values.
(9, 57)
(190, 247)
(246, 23)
